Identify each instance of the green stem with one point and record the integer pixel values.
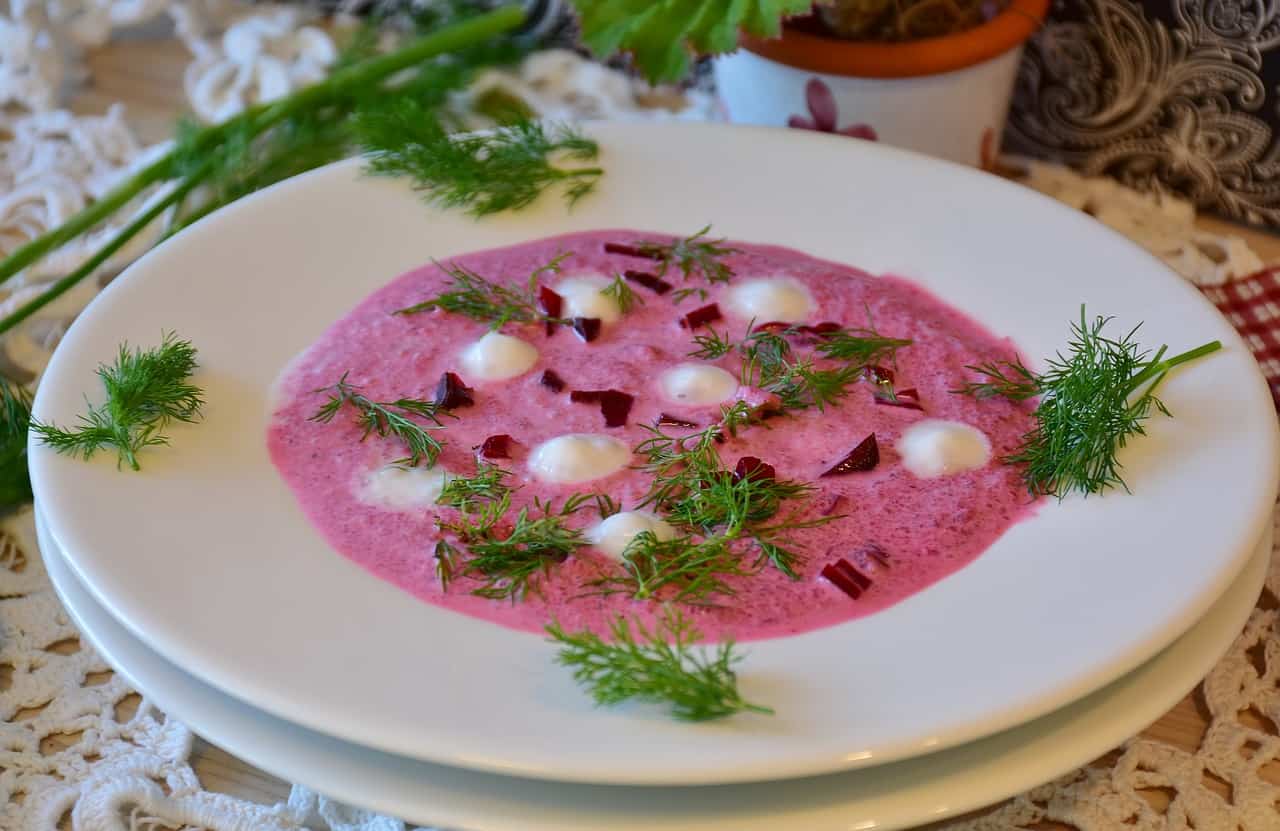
(1157, 367)
(581, 171)
(104, 253)
(259, 118)
(25, 255)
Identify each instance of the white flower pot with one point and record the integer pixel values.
(947, 97)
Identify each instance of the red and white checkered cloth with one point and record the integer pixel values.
(1252, 304)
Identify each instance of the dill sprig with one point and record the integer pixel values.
(622, 294)
(387, 419)
(503, 169)
(675, 460)
(446, 556)
(465, 493)
(660, 666)
(478, 519)
(692, 488)
(708, 499)
(691, 569)
(1087, 410)
(712, 345)
(479, 298)
(146, 391)
(512, 564)
(769, 363)
(15, 421)
(692, 255)
(859, 347)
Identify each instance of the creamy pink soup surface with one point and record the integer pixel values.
(927, 528)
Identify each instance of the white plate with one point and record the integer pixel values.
(207, 558)
(888, 796)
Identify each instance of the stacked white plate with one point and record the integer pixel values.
(202, 581)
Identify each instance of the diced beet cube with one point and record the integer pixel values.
(908, 399)
(773, 326)
(701, 317)
(615, 405)
(845, 577)
(451, 393)
(652, 282)
(826, 327)
(630, 251)
(588, 328)
(552, 381)
(878, 375)
(550, 302)
(665, 420)
(861, 458)
(497, 447)
(749, 467)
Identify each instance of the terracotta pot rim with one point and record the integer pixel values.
(930, 56)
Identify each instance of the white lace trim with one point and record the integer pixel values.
(52, 165)
(31, 66)
(260, 57)
(1161, 223)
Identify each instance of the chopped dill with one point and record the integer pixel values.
(467, 492)
(446, 557)
(659, 666)
(146, 391)
(694, 255)
(387, 419)
(694, 491)
(622, 294)
(1087, 412)
(859, 347)
(511, 564)
(770, 364)
(479, 298)
(711, 345)
(692, 569)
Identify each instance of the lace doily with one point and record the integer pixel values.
(261, 57)
(53, 164)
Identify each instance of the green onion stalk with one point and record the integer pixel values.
(252, 122)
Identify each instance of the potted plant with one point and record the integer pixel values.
(934, 76)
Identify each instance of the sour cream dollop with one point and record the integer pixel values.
(697, 384)
(578, 457)
(403, 489)
(584, 296)
(769, 299)
(613, 534)
(933, 448)
(497, 357)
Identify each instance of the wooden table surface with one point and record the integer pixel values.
(146, 76)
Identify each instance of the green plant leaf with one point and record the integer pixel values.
(662, 35)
